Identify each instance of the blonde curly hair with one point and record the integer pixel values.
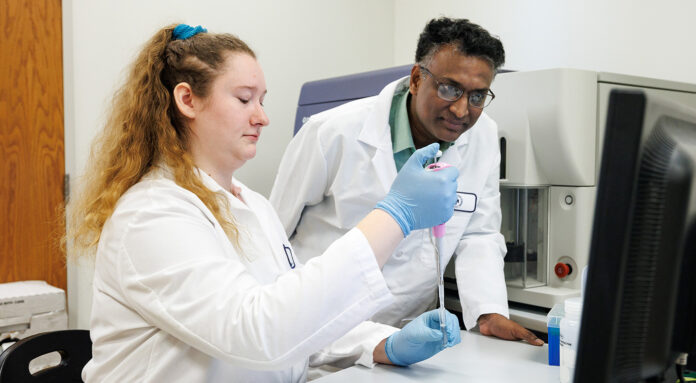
(144, 128)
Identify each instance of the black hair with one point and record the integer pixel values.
(469, 39)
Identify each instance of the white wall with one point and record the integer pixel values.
(636, 37)
(295, 42)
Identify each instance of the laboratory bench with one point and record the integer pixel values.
(477, 358)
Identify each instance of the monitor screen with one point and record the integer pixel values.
(642, 241)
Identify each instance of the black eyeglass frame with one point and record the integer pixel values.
(486, 100)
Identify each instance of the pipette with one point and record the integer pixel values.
(439, 234)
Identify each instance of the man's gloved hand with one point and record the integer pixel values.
(421, 339)
(419, 199)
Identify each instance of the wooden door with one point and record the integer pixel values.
(32, 165)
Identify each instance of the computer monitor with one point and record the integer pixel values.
(642, 240)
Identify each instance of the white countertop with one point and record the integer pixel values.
(477, 358)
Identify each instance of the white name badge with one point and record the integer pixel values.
(466, 202)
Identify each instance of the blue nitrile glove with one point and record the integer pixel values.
(421, 339)
(418, 198)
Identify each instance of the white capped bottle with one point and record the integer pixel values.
(570, 331)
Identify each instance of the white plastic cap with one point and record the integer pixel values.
(573, 308)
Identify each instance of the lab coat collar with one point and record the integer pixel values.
(375, 131)
(162, 170)
(211, 184)
(245, 216)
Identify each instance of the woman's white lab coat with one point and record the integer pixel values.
(175, 301)
(348, 166)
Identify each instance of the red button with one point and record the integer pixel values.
(561, 269)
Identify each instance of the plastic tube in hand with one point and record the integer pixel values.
(439, 233)
(420, 339)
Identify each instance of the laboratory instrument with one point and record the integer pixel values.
(318, 96)
(550, 146)
(439, 232)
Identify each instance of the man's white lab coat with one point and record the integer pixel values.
(341, 163)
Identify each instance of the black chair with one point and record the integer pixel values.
(74, 347)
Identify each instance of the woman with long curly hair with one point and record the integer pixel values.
(195, 279)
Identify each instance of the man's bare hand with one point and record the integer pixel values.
(500, 327)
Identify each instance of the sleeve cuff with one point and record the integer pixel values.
(381, 332)
(471, 316)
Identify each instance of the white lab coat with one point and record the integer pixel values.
(175, 301)
(341, 163)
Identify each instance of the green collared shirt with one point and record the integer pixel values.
(402, 139)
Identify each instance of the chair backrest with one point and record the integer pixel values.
(74, 347)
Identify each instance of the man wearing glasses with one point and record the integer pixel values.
(342, 162)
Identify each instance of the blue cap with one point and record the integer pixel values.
(185, 31)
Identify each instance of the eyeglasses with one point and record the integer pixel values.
(450, 92)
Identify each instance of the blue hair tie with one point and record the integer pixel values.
(185, 31)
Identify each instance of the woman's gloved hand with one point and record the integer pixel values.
(421, 339)
(419, 198)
